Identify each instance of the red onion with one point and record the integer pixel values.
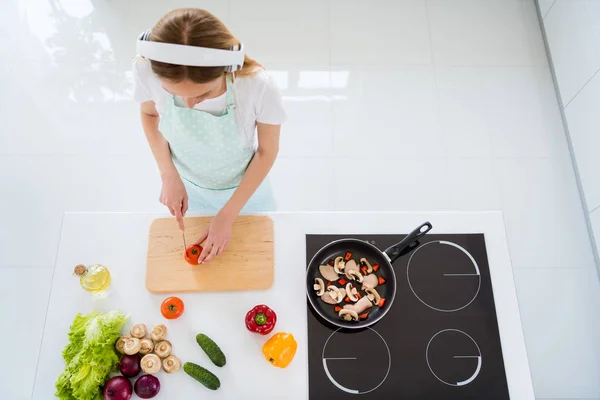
(130, 365)
(118, 388)
(147, 386)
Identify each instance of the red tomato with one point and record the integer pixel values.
(192, 253)
(172, 307)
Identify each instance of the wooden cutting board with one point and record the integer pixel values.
(246, 264)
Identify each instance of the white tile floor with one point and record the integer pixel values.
(422, 104)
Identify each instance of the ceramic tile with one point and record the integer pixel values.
(574, 52)
(303, 184)
(472, 185)
(592, 8)
(390, 32)
(475, 32)
(543, 215)
(523, 113)
(27, 289)
(367, 184)
(290, 31)
(463, 111)
(401, 121)
(560, 322)
(545, 6)
(43, 188)
(584, 130)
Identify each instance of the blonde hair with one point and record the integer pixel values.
(196, 27)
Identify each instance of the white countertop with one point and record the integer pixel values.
(120, 240)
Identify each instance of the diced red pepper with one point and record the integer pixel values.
(342, 281)
(376, 267)
(348, 256)
(363, 315)
(380, 280)
(364, 270)
(337, 309)
(381, 303)
(329, 284)
(347, 299)
(358, 295)
(330, 262)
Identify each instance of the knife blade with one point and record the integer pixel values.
(184, 245)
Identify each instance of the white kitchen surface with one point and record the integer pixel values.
(458, 115)
(125, 253)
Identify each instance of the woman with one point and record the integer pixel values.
(214, 133)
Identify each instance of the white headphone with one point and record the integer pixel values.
(193, 56)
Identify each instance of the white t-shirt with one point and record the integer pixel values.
(257, 99)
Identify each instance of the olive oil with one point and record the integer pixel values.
(93, 278)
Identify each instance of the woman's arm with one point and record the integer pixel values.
(173, 193)
(219, 232)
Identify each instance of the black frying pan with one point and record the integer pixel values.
(361, 249)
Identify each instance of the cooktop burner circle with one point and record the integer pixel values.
(443, 275)
(453, 357)
(356, 362)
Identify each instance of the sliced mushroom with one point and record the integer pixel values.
(328, 272)
(367, 264)
(150, 364)
(339, 265)
(138, 331)
(351, 291)
(348, 315)
(163, 349)
(336, 293)
(329, 300)
(319, 286)
(132, 346)
(373, 295)
(351, 266)
(159, 332)
(171, 364)
(355, 276)
(360, 306)
(147, 346)
(370, 281)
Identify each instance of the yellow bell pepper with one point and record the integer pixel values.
(280, 349)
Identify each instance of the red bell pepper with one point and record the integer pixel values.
(330, 262)
(381, 303)
(363, 315)
(337, 309)
(342, 281)
(364, 270)
(376, 267)
(261, 319)
(348, 256)
(380, 280)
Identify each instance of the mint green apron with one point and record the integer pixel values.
(210, 156)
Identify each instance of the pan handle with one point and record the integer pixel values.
(408, 243)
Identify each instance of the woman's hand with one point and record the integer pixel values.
(217, 235)
(174, 196)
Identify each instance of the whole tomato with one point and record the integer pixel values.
(172, 308)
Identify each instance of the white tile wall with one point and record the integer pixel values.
(595, 219)
(545, 6)
(583, 117)
(574, 51)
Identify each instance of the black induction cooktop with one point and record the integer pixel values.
(440, 339)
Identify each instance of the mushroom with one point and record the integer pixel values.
(159, 332)
(373, 295)
(348, 315)
(147, 346)
(355, 276)
(132, 346)
(138, 331)
(163, 349)
(319, 286)
(120, 344)
(351, 291)
(171, 364)
(360, 306)
(327, 298)
(150, 364)
(338, 265)
(336, 293)
(367, 264)
(351, 266)
(328, 272)
(370, 281)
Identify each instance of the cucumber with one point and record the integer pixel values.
(202, 375)
(211, 349)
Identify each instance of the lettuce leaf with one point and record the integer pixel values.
(90, 355)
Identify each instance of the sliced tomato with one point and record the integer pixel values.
(192, 253)
(172, 307)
